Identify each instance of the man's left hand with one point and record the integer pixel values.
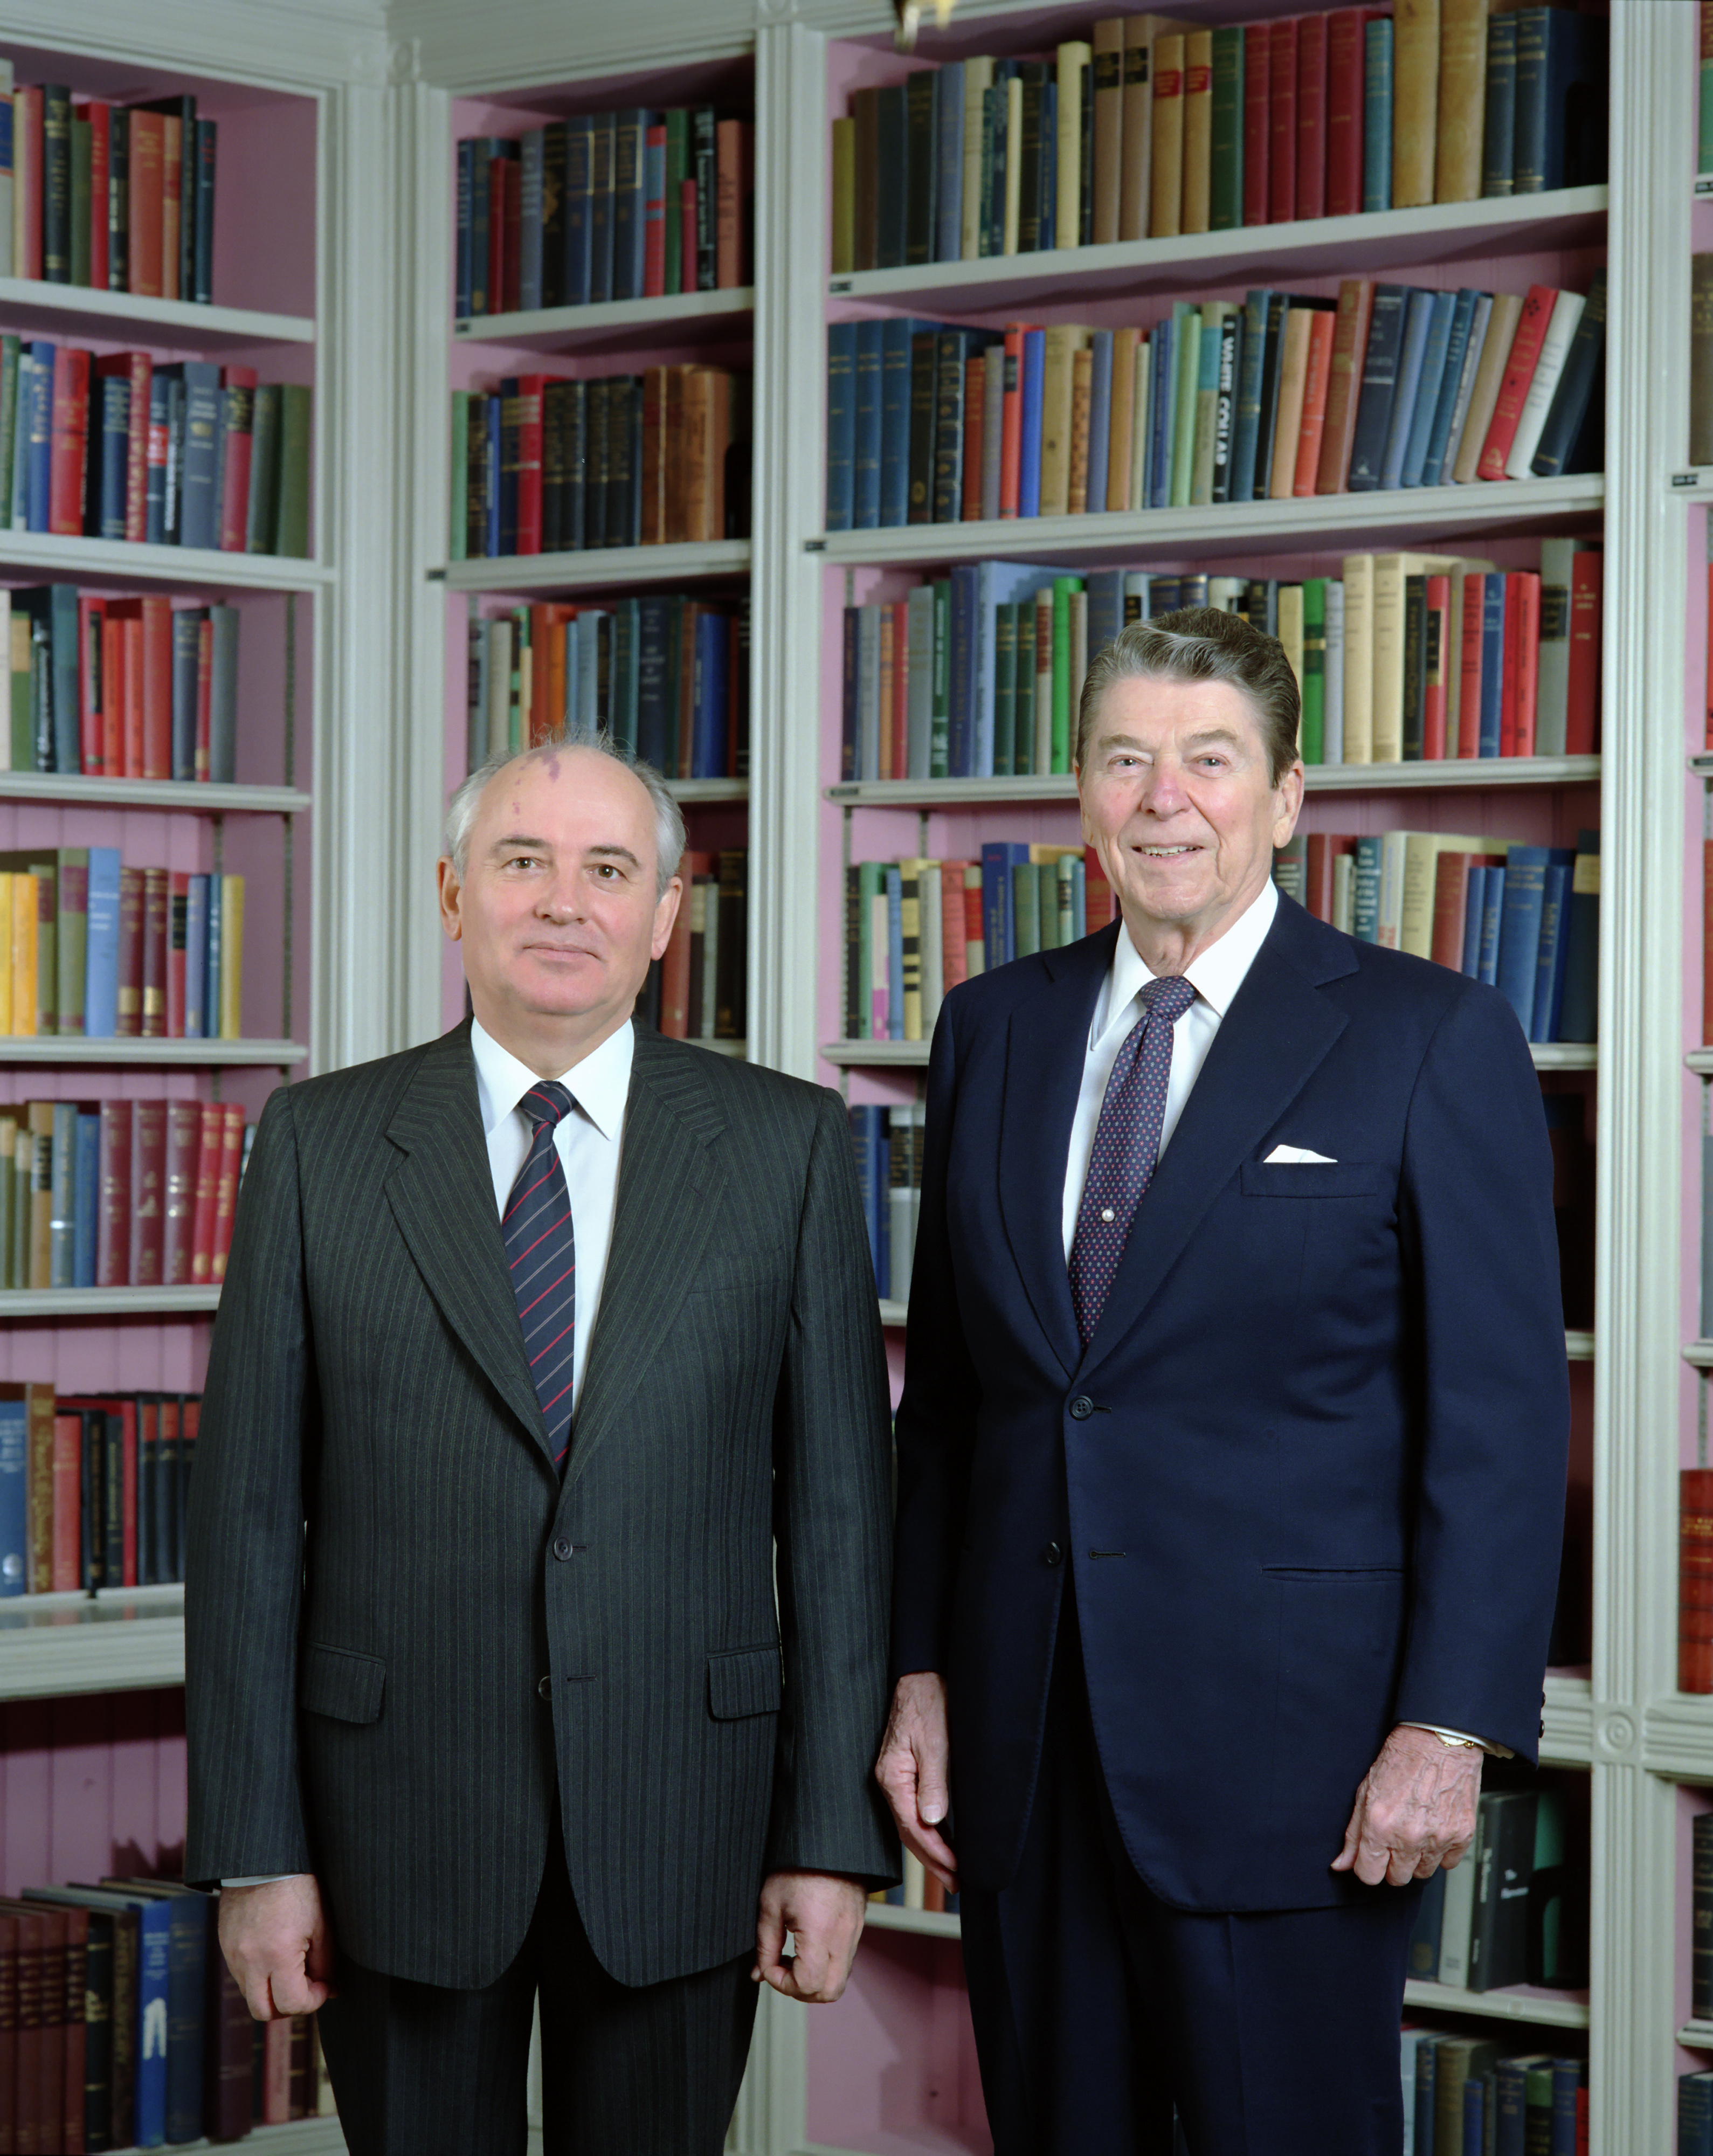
(824, 1913)
(1415, 1812)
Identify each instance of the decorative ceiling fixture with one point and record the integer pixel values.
(910, 15)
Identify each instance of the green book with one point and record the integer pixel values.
(460, 459)
(1004, 687)
(1023, 732)
(292, 531)
(1312, 742)
(1026, 907)
(1225, 199)
(871, 884)
(939, 719)
(1187, 334)
(10, 348)
(264, 511)
(82, 151)
(72, 865)
(1062, 586)
(677, 172)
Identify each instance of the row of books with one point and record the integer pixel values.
(118, 687)
(667, 675)
(918, 1890)
(540, 466)
(1155, 127)
(888, 1164)
(116, 198)
(1465, 2096)
(1283, 397)
(117, 445)
(93, 1489)
(698, 989)
(1406, 657)
(1695, 2092)
(629, 205)
(1514, 1910)
(92, 949)
(122, 2027)
(1524, 919)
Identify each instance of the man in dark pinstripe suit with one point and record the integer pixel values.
(542, 1347)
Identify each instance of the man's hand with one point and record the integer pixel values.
(1415, 1811)
(279, 1946)
(824, 1913)
(915, 1756)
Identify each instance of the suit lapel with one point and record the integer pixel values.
(1045, 1046)
(441, 1190)
(670, 1186)
(1278, 1030)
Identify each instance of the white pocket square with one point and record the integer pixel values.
(1297, 1156)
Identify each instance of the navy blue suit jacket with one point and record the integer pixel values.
(1308, 1477)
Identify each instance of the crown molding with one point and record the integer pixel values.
(318, 43)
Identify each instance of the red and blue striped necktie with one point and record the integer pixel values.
(541, 1251)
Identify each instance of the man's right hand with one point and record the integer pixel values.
(279, 1946)
(912, 1769)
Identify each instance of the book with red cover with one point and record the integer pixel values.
(1582, 722)
(1522, 600)
(1451, 892)
(174, 150)
(1344, 384)
(31, 2096)
(1317, 387)
(100, 115)
(205, 696)
(1695, 1580)
(513, 277)
(526, 392)
(1345, 28)
(132, 887)
(1011, 423)
(499, 171)
(136, 462)
(275, 2040)
(1311, 87)
(1514, 386)
(53, 2026)
(92, 683)
(27, 177)
(148, 1191)
(211, 1144)
(148, 216)
(228, 2049)
(237, 410)
(71, 2083)
(156, 891)
(113, 1209)
(156, 687)
(8, 2029)
(68, 1503)
(1474, 587)
(1508, 671)
(184, 1131)
(728, 204)
(1324, 848)
(70, 448)
(1281, 120)
(113, 693)
(131, 682)
(1257, 119)
(975, 391)
(655, 215)
(1436, 688)
(177, 927)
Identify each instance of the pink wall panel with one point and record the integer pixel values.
(892, 2067)
(91, 1785)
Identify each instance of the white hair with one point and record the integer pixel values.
(669, 821)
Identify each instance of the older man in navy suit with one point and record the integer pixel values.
(1231, 1456)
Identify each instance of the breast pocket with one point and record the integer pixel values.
(1331, 1179)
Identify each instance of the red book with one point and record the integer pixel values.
(113, 696)
(70, 444)
(1451, 886)
(205, 694)
(525, 399)
(127, 615)
(100, 116)
(8, 2026)
(155, 687)
(975, 391)
(1475, 592)
(728, 203)
(654, 218)
(68, 1503)
(1311, 83)
(238, 410)
(1317, 384)
(954, 958)
(132, 889)
(276, 2073)
(1324, 848)
(1508, 672)
(975, 928)
(157, 891)
(184, 1131)
(498, 168)
(1695, 1579)
(113, 1211)
(229, 2034)
(92, 682)
(687, 227)
(148, 1186)
(148, 179)
(174, 149)
(77, 1958)
(1523, 597)
(1519, 373)
(1345, 28)
(1256, 120)
(1582, 723)
(177, 920)
(900, 689)
(513, 286)
(1349, 344)
(1011, 428)
(29, 2098)
(1436, 689)
(210, 1143)
(1282, 122)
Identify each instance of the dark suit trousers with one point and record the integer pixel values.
(419, 2071)
(1096, 2006)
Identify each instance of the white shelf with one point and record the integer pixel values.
(1700, 1061)
(74, 1048)
(689, 791)
(613, 324)
(1539, 2010)
(1464, 772)
(1316, 524)
(1702, 766)
(303, 2136)
(1565, 1054)
(893, 1313)
(1579, 1346)
(116, 1641)
(877, 1054)
(600, 566)
(79, 311)
(1380, 241)
(1697, 2036)
(196, 799)
(1694, 483)
(118, 562)
(106, 1301)
(1699, 1354)
(927, 1923)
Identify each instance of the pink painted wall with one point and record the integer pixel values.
(892, 2067)
(90, 1786)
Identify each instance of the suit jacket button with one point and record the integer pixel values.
(1081, 1408)
(1052, 1554)
(546, 1687)
(562, 1548)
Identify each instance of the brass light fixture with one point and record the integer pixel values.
(910, 15)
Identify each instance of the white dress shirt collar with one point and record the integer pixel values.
(1215, 975)
(600, 1084)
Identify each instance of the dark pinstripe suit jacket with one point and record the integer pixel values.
(362, 1692)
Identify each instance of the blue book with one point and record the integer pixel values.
(710, 711)
(101, 947)
(211, 965)
(1561, 80)
(1582, 958)
(461, 245)
(41, 433)
(1423, 1963)
(1492, 912)
(1568, 2077)
(1246, 423)
(1028, 481)
(895, 334)
(154, 492)
(894, 952)
(115, 444)
(532, 145)
(86, 1199)
(575, 211)
(1049, 168)
(1474, 889)
(1379, 388)
(188, 1916)
(1492, 659)
(1511, 2128)
(961, 738)
(1425, 398)
(948, 177)
(1457, 345)
(865, 433)
(841, 425)
(1106, 593)
(1099, 420)
(196, 958)
(198, 500)
(1694, 2114)
(600, 200)
(1364, 892)
(869, 1139)
(14, 1493)
(1427, 2089)
(1377, 114)
(999, 857)
(630, 140)
(1520, 929)
(1474, 2116)
(1163, 398)
(1549, 969)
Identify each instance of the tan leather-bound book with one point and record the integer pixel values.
(1463, 99)
(1166, 202)
(1349, 342)
(1136, 171)
(1317, 389)
(1195, 211)
(1415, 120)
(843, 197)
(1108, 46)
(1121, 428)
(1082, 367)
(1064, 341)
(1293, 377)
(1359, 658)
(1490, 374)
(1073, 56)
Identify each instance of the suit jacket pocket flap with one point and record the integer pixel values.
(340, 1682)
(1331, 1178)
(747, 1681)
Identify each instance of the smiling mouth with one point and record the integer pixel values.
(1165, 853)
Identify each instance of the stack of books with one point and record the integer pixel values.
(667, 675)
(1283, 397)
(92, 1490)
(1508, 1914)
(117, 197)
(699, 990)
(94, 949)
(889, 1159)
(540, 466)
(118, 688)
(631, 205)
(1155, 127)
(118, 1194)
(115, 446)
(1470, 2095)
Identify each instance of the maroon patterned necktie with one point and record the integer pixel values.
(1126, 1147)
(541, 1251)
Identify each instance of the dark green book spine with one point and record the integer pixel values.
(82, 151)
(1004, 687)
(1313, 747)
(1226, 173)
(1022, 730)
(923, 355)
(920, 161)
(948, 428)
(677, 172)
(1701, 1920)
(1415, 652)
(1026, 907)
(118, 200)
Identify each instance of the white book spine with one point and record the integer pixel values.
(499, 687)
(1555, 350)
(1344, 884)
(1394, 851)
(1459, 1919)
(915, 1879)
(1552, 678)
(1332, 730)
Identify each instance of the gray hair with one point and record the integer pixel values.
(669, 821)
(1202, 643)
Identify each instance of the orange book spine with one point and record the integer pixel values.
(68, 1503)
(1695, 1580)
(211, 1140)
(1317, 387)
(1349, 344)
(975, 391)
(1514, 385)
(226, 1191)
(1011, 430)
